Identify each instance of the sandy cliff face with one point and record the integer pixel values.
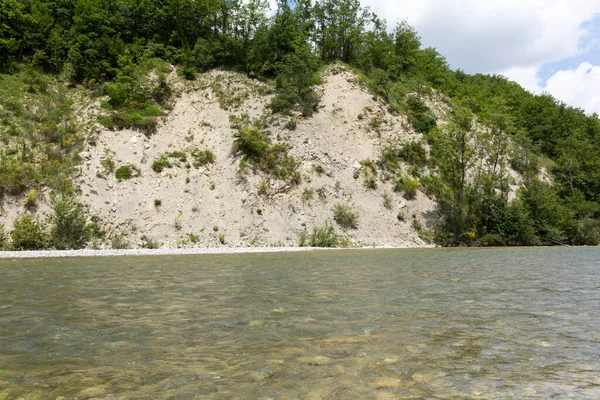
(214, 205)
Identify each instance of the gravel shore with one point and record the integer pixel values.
(167, 251)
(148, 252)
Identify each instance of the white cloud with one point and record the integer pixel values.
(495, 35)
(525, 76)
(579, 87)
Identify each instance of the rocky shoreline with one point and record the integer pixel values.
(174, 252)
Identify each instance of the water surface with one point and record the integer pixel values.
(381, 324)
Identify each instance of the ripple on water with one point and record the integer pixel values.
(385, 324)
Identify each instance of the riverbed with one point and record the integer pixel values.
(361, 324)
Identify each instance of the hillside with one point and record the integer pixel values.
(220, 123)
(251, 209)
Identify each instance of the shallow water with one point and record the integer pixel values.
(381, 324)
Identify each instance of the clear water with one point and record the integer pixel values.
(381, 324)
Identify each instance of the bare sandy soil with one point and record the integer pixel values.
(214, 206)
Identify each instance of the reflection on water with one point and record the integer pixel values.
(382, 324)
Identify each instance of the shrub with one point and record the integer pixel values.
(323, 236)
(157, 202)
(28, 234)
(118, 242)
(160, 164)
(413, 153)
(127, 171)
(31, 200)
(178, 154)
(419, 115)
(345, 216)
(408, 186)
(134, 120)
(387, 200)
(203, 157)
(401, 217)
(68, 223)
(3, 238)
(149, 243)
(492, 239)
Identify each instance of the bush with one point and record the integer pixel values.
(3, 238)
(345, 216)
(419, 115)
(492, 240)
(31, 200)
(160, 164)
(408, 186)
(127, 171)
(68, 223)
(149, 243)
(131, 120)
(28, 234)
(203, 157)
(413, 153)
(118, 242)
(323, 236)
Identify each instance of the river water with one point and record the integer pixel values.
(368, 324)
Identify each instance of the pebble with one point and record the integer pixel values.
(387, 383)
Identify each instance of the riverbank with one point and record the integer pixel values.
(167, 251)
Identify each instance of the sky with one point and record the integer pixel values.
(548, 46)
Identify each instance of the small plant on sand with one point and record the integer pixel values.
(222, 238)
(387, 200)
(408, 186)
(3, 238)
(127, 171)
(119, 242)
(149, 243)
(401, 217)
(323, 236)
(345, 216)
(202, 157)
(161, 163)
(178, 218)
(157, 203)
(31, 200)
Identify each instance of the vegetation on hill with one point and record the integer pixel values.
(122, 48)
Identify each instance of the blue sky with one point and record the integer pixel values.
(590, 52)
(545, 45)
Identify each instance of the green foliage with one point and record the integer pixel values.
(127, 171)
(297, 75)
(119, 242)
(323, 236)
(159, 164)
(68, 222)
(28, 234)
(157, 203)
(122, 49)
(396, 152)
(345, 216)
(3, 238)
(408, 186)
(203, 157)
(39, 134)
(149, 243)
(419, 115)
(273, 159)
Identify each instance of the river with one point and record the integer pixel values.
(349, 324)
